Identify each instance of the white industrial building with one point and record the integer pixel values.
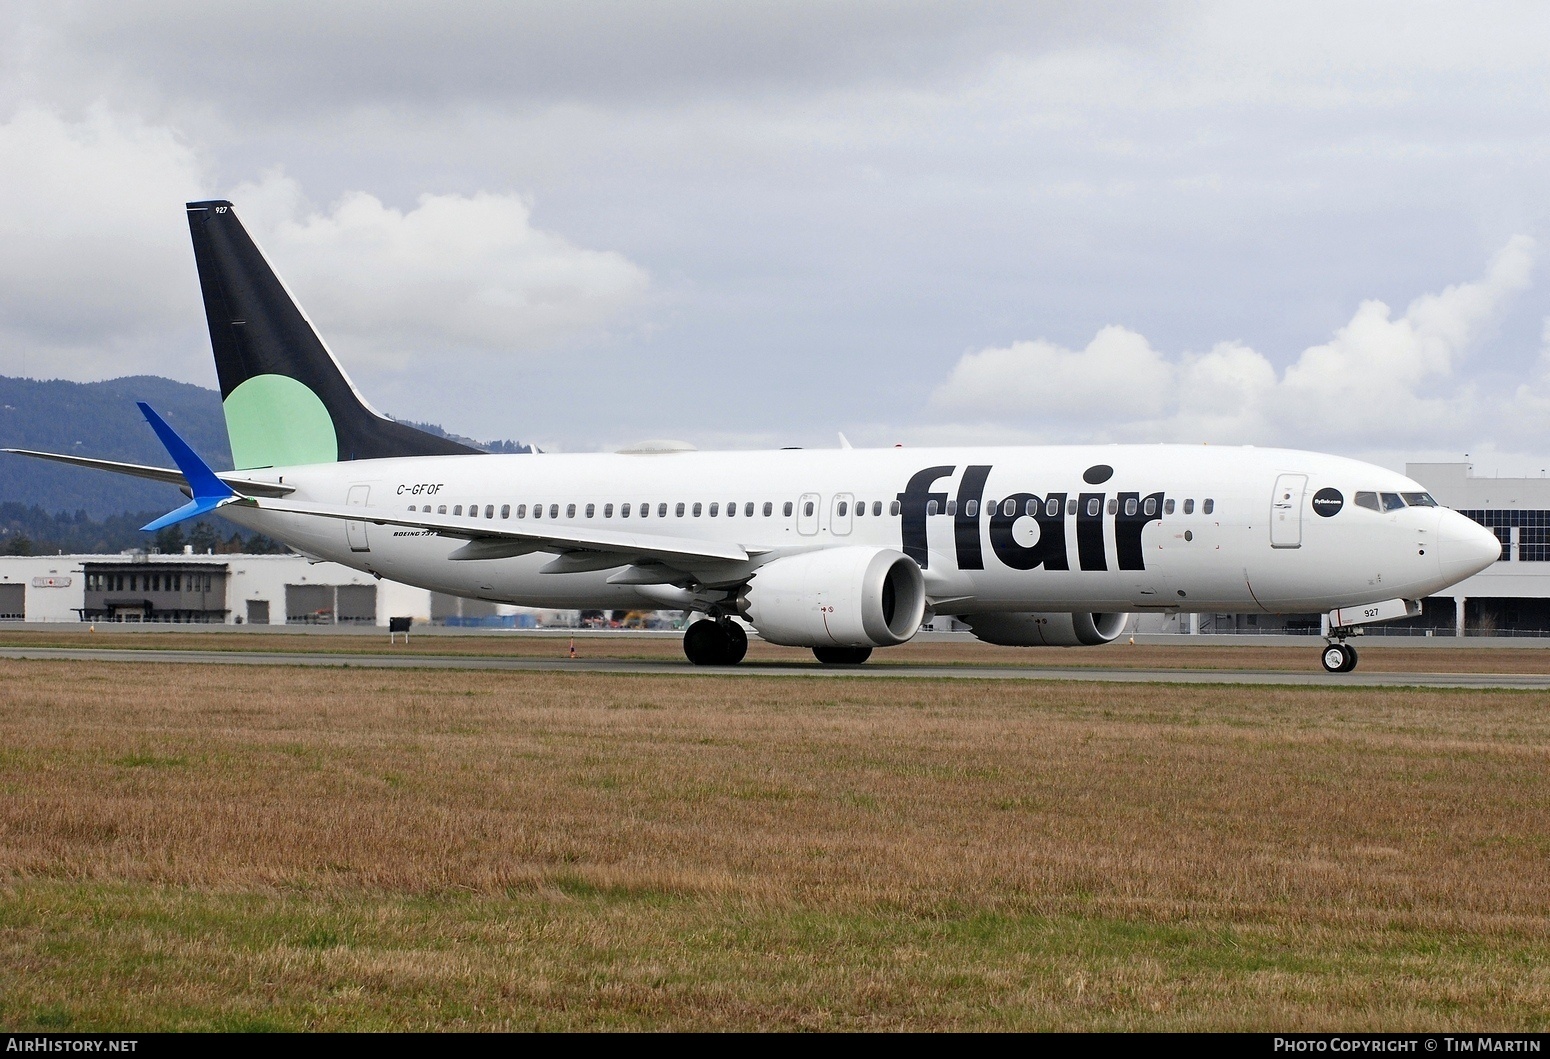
(225, 590)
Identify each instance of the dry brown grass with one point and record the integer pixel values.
(1376, 656)
(484, 849)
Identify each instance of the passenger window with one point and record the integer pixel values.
(591, 510)
(1419, 499)
(570, 510)
(807, 509)
(769, 509)
(1391, 501)
(952, 507)
(1052, 507)
(1009, 507)
(489, 511)
(1131, 507)
(930, 507)
(971, 508)
(894, 507)
(1031, 507)
(787, 509)
(608, 511)
(458, 509)
(679, 510)
(731, 509)
(860, 508)
(697, 509)
(522, 511)
(1092, 507)
(645, 510)
(1208, 507)
(1150, 507)
(841, 508)
(1168, 506)
(505, 511)
(624, 510)
(1071, 506)
(538, 511)
(1189, 506)
(877, 508)
(411, 508)
(662, 510)
(748, 509)
(1113, 506)
(715, 509)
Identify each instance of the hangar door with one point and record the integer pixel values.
(13, 602)
(309, 604)
(357, 605)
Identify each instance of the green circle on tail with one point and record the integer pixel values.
(275, 421)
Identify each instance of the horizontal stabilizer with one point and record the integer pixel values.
(246, 486)
(135, 470)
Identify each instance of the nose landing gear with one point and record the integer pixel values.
(1339, 657)
(715, 643)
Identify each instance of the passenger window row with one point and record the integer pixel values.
(642, 510)
(1008, 508)
(1051, 507)
(843, 506)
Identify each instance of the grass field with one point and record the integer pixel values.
(202, 848)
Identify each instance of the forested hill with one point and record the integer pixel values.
(100, 419)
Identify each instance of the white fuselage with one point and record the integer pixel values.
(1192, 528)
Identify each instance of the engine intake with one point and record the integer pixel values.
(844, 597)
(1046, 630)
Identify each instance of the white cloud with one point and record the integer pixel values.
(467, 272)
(97, 278)
(95, 268)
(1118, 372)
(1379, 376)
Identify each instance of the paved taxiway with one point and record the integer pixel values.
(1522, 681)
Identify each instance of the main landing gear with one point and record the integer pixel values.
(715, 643)
(842, 656)
(1339, 657)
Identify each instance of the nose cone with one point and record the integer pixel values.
(1464, 547)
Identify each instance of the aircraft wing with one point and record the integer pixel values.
(487, 540)
(158, 474)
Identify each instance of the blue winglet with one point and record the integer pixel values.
(209, 491)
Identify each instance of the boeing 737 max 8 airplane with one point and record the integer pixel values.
(839, 551)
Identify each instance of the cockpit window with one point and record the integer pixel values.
(1369, 501)
(1419, 499)
(1391, 501)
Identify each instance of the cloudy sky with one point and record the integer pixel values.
(751, 224)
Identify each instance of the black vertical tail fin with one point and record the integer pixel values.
(286, 399)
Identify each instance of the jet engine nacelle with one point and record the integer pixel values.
(842, 597)
(1046, 630)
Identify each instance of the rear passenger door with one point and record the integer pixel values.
(356, 531)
